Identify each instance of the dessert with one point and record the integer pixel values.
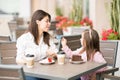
(76, 58)
(49, 59)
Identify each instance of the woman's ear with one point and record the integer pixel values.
(37, 21)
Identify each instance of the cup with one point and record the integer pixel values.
(61, 58)
(29, 61)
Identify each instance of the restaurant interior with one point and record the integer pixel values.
(15, 18)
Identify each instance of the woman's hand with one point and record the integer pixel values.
(51, 54)
(21, 61)
(63, 42)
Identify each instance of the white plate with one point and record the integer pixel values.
(45, 61)
(76, 62)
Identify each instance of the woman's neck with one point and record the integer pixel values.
(40, 35)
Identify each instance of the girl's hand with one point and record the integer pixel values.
(63, 42)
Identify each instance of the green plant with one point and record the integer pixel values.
(58, 11)
(115, 15)
(77, 10)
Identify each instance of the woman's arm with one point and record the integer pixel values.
(20, 56)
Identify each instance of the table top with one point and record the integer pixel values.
(67, 71)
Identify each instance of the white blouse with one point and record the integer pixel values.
(26, 45)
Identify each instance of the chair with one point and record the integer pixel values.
(11, 72)
(105, 74)
(20, 21)
(73, 41)
(53, 25)
(12, 27)
(109, 50)
(8, 52)
(5, 38)
(19, 32)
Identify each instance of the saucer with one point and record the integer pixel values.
(76, 62)
(46, 61)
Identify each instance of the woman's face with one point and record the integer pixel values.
(44, 24)
(82, 40)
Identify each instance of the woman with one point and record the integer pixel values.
(36, 40)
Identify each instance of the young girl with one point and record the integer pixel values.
(90, 50)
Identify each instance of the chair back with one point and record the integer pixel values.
(109, 50)
(20, 21)
(73, 41)
(11, 72)
(12, 26)
(8, 52)
(19, 32)
(5, 38)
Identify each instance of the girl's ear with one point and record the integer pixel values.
(37, 21)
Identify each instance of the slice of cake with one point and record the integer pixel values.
(76, 58)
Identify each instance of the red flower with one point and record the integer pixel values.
(109, 34)
(86, 22)
(104, 38)
(64, 22)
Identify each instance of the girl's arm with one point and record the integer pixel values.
(67, 50)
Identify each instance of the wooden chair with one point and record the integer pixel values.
(5, 38)
(20, 21)
(11, 72)
(109, 50)
(19, 32)
(8, 52)
(73, 41)
(12, 27)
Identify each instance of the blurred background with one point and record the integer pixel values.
(23, 9)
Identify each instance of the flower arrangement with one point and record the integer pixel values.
(109, 34)
(75, 17)
(86, 22)
(64, 22)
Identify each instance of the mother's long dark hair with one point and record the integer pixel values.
(33, 27)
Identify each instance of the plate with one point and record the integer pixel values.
(76, 62)
(46, 61)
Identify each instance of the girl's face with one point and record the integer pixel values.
(82, 40)
(44, 24)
